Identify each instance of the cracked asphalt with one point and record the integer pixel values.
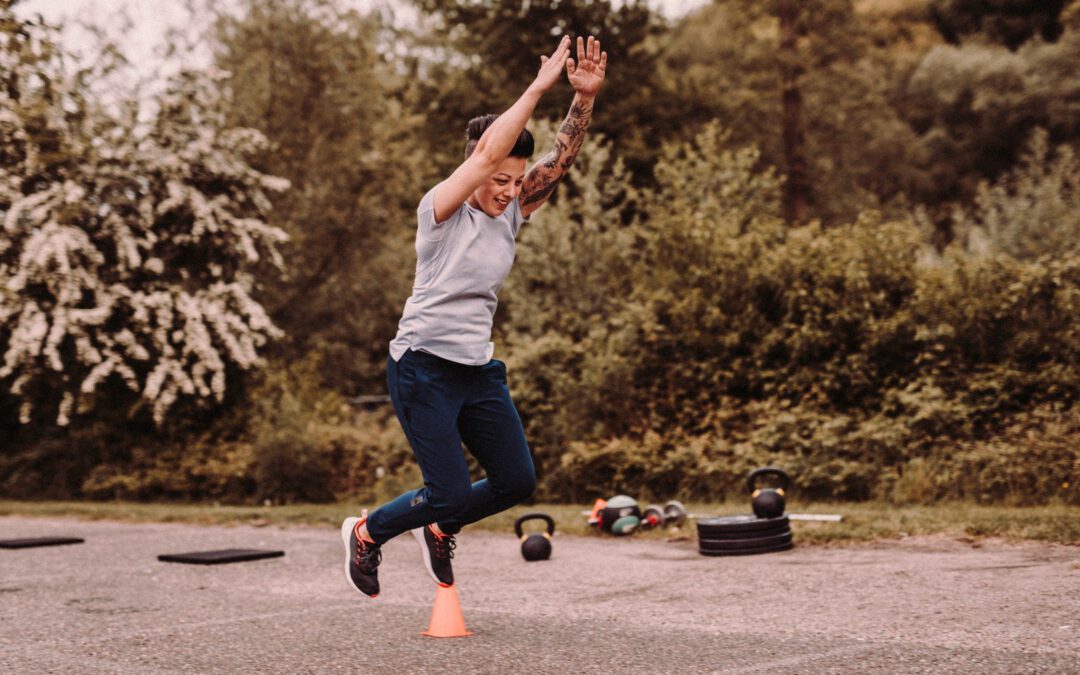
(600, 605)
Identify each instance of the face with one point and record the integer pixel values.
(496, 193)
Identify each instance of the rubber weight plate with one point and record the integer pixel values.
(716, 528)
(749, 551)
(752, 534)
(733, 544)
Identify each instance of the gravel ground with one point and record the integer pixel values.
(600, 605)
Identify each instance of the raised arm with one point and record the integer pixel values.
(586, 76)
(498, 140)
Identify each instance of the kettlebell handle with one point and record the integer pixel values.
(751, 480)
(534, 516)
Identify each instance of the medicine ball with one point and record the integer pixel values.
(619, 507)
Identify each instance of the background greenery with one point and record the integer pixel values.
(916, 339)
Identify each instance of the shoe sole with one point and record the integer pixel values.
(346, 533)
(419, 534)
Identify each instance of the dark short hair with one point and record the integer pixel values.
(523, 147)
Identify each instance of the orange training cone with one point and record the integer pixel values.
(446, 618)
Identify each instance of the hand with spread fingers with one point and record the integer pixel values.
(587, 74)
(551, 66)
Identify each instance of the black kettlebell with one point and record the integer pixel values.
(768, 502)
(535, 546)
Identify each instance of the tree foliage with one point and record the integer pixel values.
(1031, 211)
(666, 331)
(859, 148)
(975, 106)
(1007, 22)
(308, 75)
(124, 249)
(481, 54)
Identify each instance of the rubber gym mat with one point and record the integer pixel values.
(228, 555)
(39, 541)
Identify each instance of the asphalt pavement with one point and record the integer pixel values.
(600, 605)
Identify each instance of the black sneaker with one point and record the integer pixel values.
(437, 549)
(362, 558)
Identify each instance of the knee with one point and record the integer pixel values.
(448, 500)
(522, 486)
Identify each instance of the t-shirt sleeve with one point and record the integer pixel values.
(425, 218)
(517, 219)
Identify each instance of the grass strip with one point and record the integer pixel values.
(862, 522)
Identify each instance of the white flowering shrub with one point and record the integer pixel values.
(124, 246)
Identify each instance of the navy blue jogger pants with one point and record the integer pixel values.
(440, 405)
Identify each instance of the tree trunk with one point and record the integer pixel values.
(797, 186)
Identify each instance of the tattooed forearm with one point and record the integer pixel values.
(539, 193)
(546, 174)
(551, 160)
(577, 120)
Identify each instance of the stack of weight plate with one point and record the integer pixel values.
(743, 535)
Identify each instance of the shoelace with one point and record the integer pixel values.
(368, 557)
(444, 546)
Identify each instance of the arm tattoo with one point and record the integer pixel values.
(544, 177)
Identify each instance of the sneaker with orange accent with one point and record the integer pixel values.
(438, 550)
(362, 558)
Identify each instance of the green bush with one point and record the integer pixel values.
(205, 468)
(1029, 212)
(673, 353)
(294, 442)
(49, 468)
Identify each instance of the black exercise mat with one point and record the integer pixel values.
(228, 555)
(39, 541)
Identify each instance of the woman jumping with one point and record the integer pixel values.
(445, 386)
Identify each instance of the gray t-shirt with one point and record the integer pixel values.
(461, 264)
